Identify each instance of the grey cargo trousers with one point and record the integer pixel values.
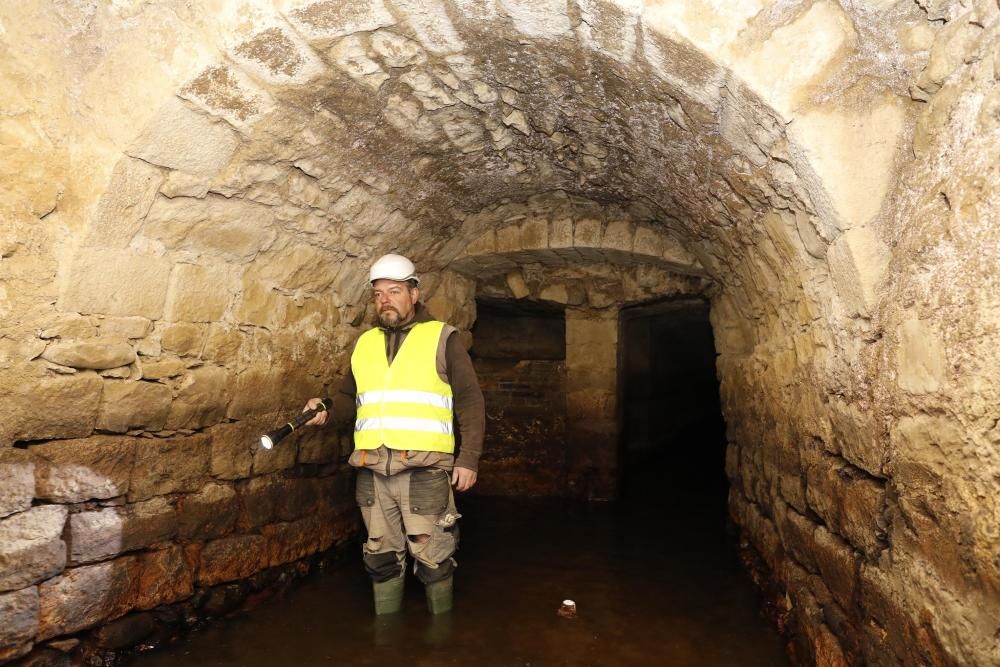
(398, 510)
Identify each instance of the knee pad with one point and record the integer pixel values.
(383, 567)
(429, 575)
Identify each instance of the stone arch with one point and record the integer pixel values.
(270, 149)
(590, 265)
(702, 166)
(281, 51)
(565, 238)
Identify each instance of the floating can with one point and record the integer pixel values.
(568, 609)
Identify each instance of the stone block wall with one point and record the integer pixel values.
(591, 297)
(863, 462)
(519, 353)
(526, 432)
(109, 527)
(841, 204)
(592, 400)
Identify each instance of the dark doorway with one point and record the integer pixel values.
(673, 437)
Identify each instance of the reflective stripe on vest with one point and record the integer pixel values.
(403, 424)
(405, 405)
(404, 396)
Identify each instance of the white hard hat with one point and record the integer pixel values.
(393, 267)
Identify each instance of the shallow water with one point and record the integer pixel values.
(656, 581)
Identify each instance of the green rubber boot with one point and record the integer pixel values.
(389, 595)
(439, 596)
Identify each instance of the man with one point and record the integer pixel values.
(411, 380)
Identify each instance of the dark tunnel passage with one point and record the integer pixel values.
(672, 437)
(654, 572)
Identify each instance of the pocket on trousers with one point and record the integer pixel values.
(412, 458)
(429, 491)
(364, 488)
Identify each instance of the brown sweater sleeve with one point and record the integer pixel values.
(470, 408)
(345, 402)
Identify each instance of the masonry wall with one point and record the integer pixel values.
(525, 449)
(151, 529)
(863, 454)
(193, 191)
(520, 361)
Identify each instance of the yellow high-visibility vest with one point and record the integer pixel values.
(405, 405)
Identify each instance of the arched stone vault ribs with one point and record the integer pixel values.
(658, 128)
(188, 242)
(321, 108)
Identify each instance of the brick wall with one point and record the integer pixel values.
(525, 448)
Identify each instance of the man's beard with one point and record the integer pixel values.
(389, 318)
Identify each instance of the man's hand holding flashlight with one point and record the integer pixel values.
(321, 417)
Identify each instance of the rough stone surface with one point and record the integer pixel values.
(67, 325)
(233, 446)
(273, 498)
(920, 357)
(238, 231)
(93, 354)
(201, 399)
(19, 611)
(180, 138)
(126, 406)
(848, 502)
(208, 514)
(73, 471)
(837, 211)
(165, 577)
(288, 542)
(838, 565)
(124, 327)
(163, 369)
(78, 397)
(170, 465)
(31, 546)
(222, 344)
(117, 282)
(232, 558)
(197, 293)
(283, 456)
(591, 362)
(183, 339)
(17, 481)
(123, 207)
(100, 534)
(85, 596)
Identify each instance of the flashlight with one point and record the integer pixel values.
(271, 438)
